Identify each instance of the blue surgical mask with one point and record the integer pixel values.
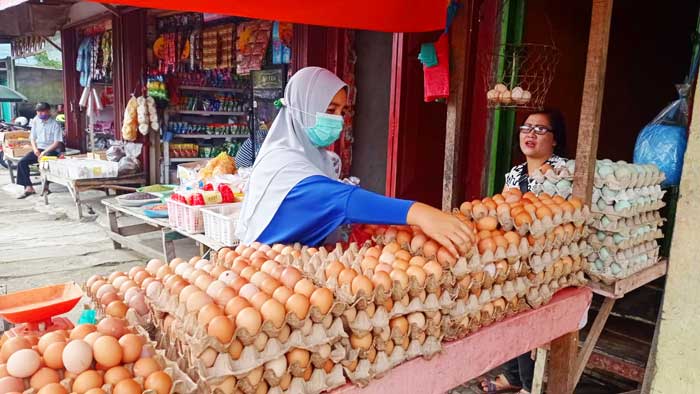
(326, 130)
(44, 116)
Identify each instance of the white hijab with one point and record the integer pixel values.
(287, 156)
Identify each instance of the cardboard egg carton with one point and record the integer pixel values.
(361, 371)
(610, 196)
(541, 295)
(626, 226)
(605, 256)
(458, 326)
(320, 381)
(492, 275)
(611, 271)
(602, 207)
(540, 227)
(614, 242)
(538, 262)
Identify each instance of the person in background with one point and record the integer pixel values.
(294, 194)
(46, 138)
(245, 156)
(542, 141)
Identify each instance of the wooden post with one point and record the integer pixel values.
(677, 353)
(456, 119)
(562, 365)
(591, 105)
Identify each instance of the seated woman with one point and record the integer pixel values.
(542, 141)
(293, 194)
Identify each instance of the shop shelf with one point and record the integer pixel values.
(212, 89)
(208, 113)
(210, 136)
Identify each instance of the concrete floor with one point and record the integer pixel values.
(46, 244)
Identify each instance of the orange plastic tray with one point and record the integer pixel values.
(39, 304)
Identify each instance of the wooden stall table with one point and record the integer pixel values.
(122, 236)
(75, 186)
(12, 163)
(205, 243)
(486, 349)
(612, 293)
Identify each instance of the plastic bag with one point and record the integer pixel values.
(663, 141)
(130, 164)
(116, 151)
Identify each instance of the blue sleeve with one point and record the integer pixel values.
(317, 205)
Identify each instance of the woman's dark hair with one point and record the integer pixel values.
(558, 125)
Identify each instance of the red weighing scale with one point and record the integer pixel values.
(32, 311)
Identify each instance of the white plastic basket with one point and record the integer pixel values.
(187, 217)
(220, 223)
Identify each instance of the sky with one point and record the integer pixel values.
(54, 54)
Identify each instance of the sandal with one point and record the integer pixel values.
(492, 387)
(25, 195)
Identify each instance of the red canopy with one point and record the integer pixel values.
(382, 15)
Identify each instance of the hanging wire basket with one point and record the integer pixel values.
(518, 76)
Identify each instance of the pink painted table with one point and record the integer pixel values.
(471, 357)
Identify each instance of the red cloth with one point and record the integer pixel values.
(385, 15)
(436, 82)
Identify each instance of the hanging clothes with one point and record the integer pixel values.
(106, 47)
(83, 63)
(95, 60)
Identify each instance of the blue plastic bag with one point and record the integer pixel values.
(663, 141)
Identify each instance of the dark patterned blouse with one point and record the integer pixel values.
(518, 177)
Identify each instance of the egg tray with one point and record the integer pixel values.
(365, 371)
(310, 336)
(320, 381)
(622, 176)
(538, 263)
(182, 384)
(458, 327)
(359, 321)
(622, 255)
(609, 273)
(610, 195)
(601, 207)
(494, 275)
(538, 226)
(131, 316)
(625, 226)
(609, 243)
(538, 296)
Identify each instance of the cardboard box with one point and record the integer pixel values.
(16, 153)
(188, 171)
(13, 135)
(97, 155)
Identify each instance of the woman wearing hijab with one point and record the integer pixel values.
(542, 136)
(294, 195)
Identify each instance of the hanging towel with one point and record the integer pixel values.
(83, 61)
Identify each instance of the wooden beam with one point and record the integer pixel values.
(456, 117)
(621, 287)
(562, 364)
(53, 44)
(591, 105)
(113, 9)
(592, 338)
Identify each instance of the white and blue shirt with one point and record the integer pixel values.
(45, 132)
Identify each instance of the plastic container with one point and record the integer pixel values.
(39, 304)
(188, 218)
(220, 223)
(84, 168)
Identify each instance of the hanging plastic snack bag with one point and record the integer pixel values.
(116, 151)
(663, 141)
(130, 164)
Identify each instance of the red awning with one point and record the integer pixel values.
(382, 15)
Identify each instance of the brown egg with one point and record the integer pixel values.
(522, 219)
(305, 287)
(248, 291)
(248, 272)
(197, 301)
(273, 311)
(224, 296)
(116, 309)
(235, 349)
(12, 345)
(238, 283)
(235, 305)
(107, 351)
(382, 278)
(162, 271)
(113, 326)
(187, 292)
(434, 268)
(322, 298)
(269, 285)
(282, 294)
(249, 319)
(96, 285)
(96, 390)
(259, 299)
(131, 346)
(53, 388)
(346, 276)
(487, 245)
(221, 328)
(418, 273)
(298, 304)
(207, 313)
(146, 366)
(92, 337)
(116, 374)
(203, 281)
(107, 298)
(290, 276)
(48, 339)
(298, 356)
(362, 284)
(127, 386)
(43, 377)
(53, 355)
(160, 382)
(400, 276)
(141, 276)
(87, 380)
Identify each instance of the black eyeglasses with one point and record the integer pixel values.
(538, 129)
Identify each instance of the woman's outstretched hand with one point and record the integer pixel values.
(444, 228)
